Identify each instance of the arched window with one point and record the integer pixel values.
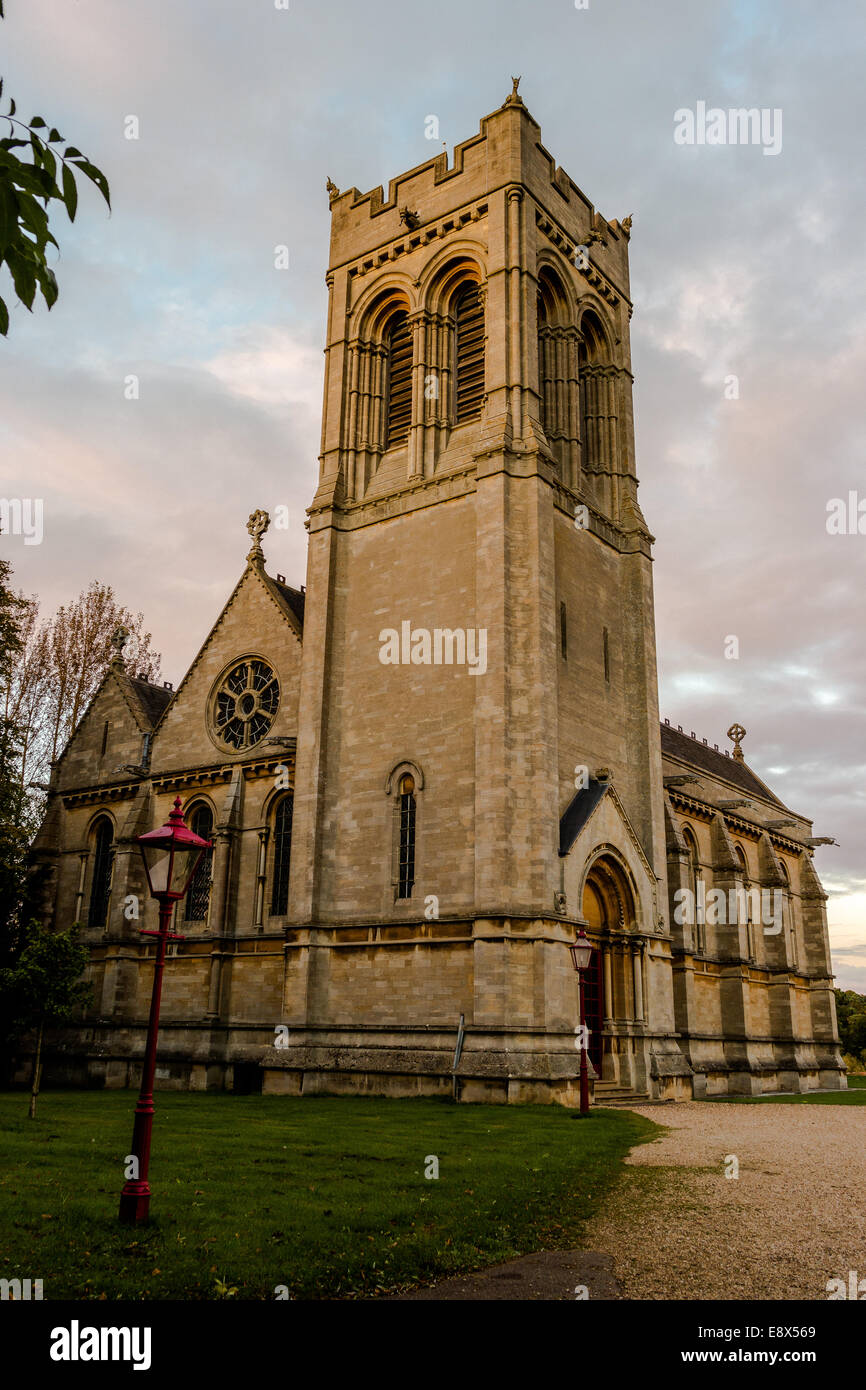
(198, 894)
(399, 416)
(469, 354)
(282, 855)
(745, 915)
(406, 831)
(694, 874)
(598, 410)
(102, 838)
(558, 376)
(788, 925)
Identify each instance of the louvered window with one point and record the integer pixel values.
(469, 316)
(198, 893)
(282, 856)
(399, 380)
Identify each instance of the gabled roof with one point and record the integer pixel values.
(144, 700)
(289, 601)
(699, 755)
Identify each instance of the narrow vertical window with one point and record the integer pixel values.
(606, 646)
(103, 860)
(406, 864)
(698, 933)
(198, 893)
(104, 739)
(282, 856)
(563, 631)
(399, 379)
(744, 902)
(469, 329)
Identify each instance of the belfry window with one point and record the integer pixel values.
(469, 330)
(282, 856)
(406, 860)
(399, 340)
(198, 893)
(103, 862)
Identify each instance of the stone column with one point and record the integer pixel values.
(637, 972)
(608, 983)
(350, 435)
(515, 260)
(260, 879)
(79, 896)
(419, 328)
(222, 859)
(220, 877)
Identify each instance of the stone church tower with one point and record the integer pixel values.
(425, 771)
(477, 476)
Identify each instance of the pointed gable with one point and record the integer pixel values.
(262, 621)
(109, 738)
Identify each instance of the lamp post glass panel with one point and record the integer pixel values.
(171, 856)
(581, 955)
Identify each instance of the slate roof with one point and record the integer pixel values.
(578, 812)
(702, 758)
(295, 598)
(152, 698)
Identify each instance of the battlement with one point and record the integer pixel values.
(507, 152)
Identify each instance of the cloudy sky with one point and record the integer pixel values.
(743, 264)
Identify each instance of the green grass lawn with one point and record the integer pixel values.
(326, 1196)
(855, 1095)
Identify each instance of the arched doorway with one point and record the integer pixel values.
(614, 992)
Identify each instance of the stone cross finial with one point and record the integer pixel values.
(257, 526)
(118, 641)
(737, 733)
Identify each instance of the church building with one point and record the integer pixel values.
(427, 768)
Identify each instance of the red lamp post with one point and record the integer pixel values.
(581, 954)
(171, 856)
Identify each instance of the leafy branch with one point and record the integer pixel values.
(26, 189)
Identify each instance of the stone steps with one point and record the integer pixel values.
(608, 1093)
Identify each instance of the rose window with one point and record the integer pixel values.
(246, 702)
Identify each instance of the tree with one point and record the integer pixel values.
(26, 697)
(57, 669)
(49, 672)
(13, 836)
(26, 189)
(79, 651)
(851, 1018)
(44, 988)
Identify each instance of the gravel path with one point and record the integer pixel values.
(676, 1227)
